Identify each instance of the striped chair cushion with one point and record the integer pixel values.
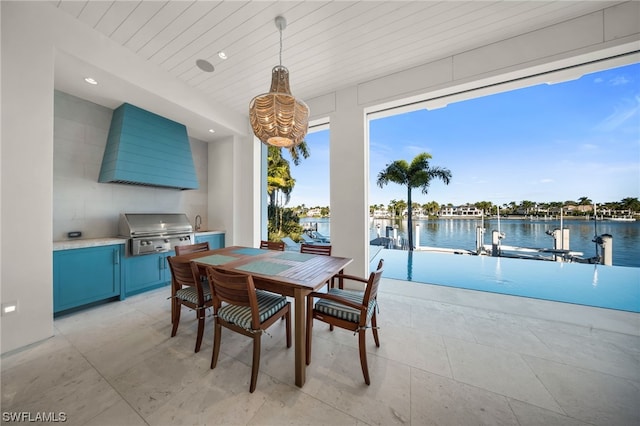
(338, 310)
(268, 305)
(190, 294)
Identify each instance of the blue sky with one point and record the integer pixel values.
(542, 143)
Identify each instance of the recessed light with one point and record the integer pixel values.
(211, 131)
(91, 80)
(205, 65)
(222, 55)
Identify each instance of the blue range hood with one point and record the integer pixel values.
(146, 149)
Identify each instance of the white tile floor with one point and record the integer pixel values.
(447, 357)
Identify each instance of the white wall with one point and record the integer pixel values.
(27, 181)
(220, 199)
(247, 191)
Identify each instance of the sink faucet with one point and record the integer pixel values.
(198, 222)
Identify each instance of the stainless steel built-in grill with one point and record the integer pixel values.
(155, 232)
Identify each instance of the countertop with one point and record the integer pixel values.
(87, 242)
(106, 241)
(209, 232)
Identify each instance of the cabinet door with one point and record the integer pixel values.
(82, 276)
(146, 272)
(215, 240)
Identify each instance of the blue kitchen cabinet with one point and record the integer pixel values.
(146, 272)
(86, 275)
(215, 240)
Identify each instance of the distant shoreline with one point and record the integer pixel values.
(510, 217)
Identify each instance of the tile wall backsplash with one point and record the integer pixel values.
(80, 203)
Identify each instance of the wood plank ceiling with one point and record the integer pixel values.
(327, 44)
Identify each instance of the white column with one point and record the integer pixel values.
(349, 184)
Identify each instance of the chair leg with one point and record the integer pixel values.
(175, 315)
(287, 318)
(256, 362)
(216, 344)
(309, 330)
(201, 317)
(363, 355)
(374, 327)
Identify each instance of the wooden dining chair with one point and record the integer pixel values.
(272, 245)
(348, 309)
(192, 248)
(246, 311)
(188, 289)
(321, 249)
(195, 248)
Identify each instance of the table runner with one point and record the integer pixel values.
(264, 267)
(297, 257)
(216, 259)
(249, 251)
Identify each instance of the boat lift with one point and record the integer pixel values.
(559, 253)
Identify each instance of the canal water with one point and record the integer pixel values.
(461, 234)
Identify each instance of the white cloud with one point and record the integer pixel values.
(620, 115)
(620, 80)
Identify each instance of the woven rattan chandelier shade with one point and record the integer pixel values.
(277, 117)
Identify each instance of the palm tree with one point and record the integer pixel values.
(297, 150)
(527, 206)
(630, 203)
(584, 201)
(485, 206)
(431, 207)
(418, 174)
(279, 183)
(394, 206)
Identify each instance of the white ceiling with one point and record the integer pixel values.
(327, 44)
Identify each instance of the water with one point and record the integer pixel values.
(461, 234)
(612, 287)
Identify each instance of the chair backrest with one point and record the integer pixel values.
(272, 245)
(192, 248)
(233, 289)
(371, 292)
(322, 249)
(184, 273)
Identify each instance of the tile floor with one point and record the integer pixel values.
(447, 357)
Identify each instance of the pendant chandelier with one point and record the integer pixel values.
(277, 117)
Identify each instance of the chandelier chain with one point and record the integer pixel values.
(280, 46)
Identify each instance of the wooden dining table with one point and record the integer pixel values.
(288, 273)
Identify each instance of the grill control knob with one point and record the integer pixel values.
(166, 240)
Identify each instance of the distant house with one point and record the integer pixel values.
(573, 209)
(314, 212)
(467, 210)
(416, 212)
(381, 214)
